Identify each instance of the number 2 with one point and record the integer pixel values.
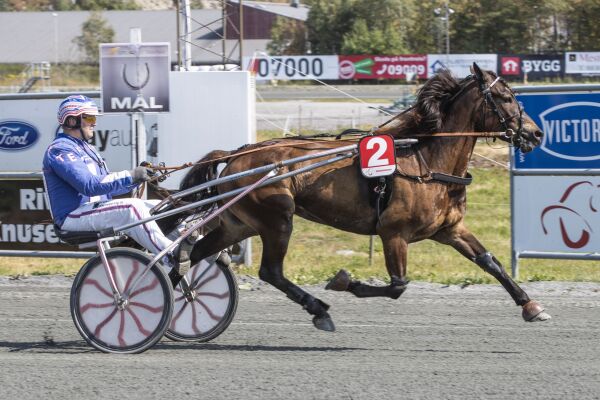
(375, 160)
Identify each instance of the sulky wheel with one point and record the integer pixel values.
(139, 322)
(205, 301)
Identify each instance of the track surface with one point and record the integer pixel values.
(434, 342)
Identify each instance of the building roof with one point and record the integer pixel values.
(27, 37)
(283, 9)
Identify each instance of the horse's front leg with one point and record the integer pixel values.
(395, 250)
(464, 242)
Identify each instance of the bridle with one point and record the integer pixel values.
(513, 137)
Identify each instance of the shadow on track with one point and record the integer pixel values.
(79, 346)
(246, 347)
(48, 346)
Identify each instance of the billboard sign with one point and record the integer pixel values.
(29, 125)
(571, 126)
(383, 67)
(532, 66)
(135, 77)
(293, 67)
(460, 64)
(557, 213)
(26, 222)
(586, 63)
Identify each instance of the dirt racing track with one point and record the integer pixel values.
(434, 342)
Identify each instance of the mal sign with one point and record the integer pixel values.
(377, 156)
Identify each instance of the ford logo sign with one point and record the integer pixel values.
(572, 131)
(17, 135)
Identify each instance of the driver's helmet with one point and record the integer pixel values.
(74, 106)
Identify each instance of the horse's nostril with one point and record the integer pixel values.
(538, 134)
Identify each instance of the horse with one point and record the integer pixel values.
(427, 193)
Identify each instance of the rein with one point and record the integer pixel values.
(488, 99)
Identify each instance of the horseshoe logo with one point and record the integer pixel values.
(141, 85)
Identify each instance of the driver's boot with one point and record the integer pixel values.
(183, 253)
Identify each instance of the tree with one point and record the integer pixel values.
(26, 5)
(362, 40)
(327, 22)
(288, 37)
(355, 26)
(425, 33)
(581, 23)
(93, 32)
(99, 5)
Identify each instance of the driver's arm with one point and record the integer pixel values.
(72, 168)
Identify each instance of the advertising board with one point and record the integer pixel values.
(532, 66)
(135, 77)
(460, 64)
(556, 213)
(26, 222)
(571, 126)
(383, 67)
(28, 126)
(293, 67)
(586, 63)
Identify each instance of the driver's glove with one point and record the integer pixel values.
(141, 174)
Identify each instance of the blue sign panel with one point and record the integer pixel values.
(571, 126)
(17, 135)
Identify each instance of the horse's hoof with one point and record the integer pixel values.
(339, 282)
(533, 311)
(324, 323)
(396, 291)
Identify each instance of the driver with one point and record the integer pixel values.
(80, 187)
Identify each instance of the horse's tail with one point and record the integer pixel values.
(205, 169)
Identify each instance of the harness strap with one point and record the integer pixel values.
(438, 177)
(380, 190)
(434, 176)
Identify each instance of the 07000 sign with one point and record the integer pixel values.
(295, 67)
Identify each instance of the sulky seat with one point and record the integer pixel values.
(86, 237)
(76, 237)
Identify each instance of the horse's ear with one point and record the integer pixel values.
(477, 71)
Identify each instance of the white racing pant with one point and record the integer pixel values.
(113, 213)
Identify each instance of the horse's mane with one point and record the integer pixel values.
(433, 99)
(428, 112)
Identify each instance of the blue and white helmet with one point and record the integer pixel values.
(74, 106)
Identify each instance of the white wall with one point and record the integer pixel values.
(209, 110)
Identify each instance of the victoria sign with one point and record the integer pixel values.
(571, 126)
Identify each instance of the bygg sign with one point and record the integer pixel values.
(135, 77)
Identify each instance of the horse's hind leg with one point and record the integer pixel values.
(271, 271)
(465, 242)
(275, 229)
(395, 250)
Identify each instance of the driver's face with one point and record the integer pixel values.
(88, 122)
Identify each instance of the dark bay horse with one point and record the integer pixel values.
(421, 206)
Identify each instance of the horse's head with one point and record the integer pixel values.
(502, 111)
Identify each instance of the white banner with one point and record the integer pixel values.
(582, 63)
(293, 67)
(557, 213)
(460, 64)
